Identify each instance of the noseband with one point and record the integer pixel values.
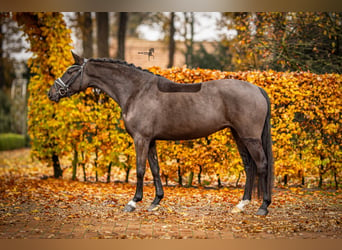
(63, 88)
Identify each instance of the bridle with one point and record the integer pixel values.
(63, 88)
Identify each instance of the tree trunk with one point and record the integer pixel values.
(189, 41)
(166, 180)
(301, 172)
(84, 172)
(320, 183)
(127, 169)
(2, 72)
(219, 184)
(191, 177)
(123, 18)
(335, 179)
(109, 171)
(86, 25)
(74, 165)
(83, 167)
(321, 172)
(102, 24)
(285, 179)
(172, 45)
(95, 163)
(180, 181)
(57, 171)
(238, 179)
(199, 175)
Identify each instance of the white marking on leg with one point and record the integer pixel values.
(132, 204)
(242, 204)
(240, 207)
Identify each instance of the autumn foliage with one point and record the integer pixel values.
(305, 123)
(49, 41)
(88, 127)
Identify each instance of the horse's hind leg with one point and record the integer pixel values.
(256, 151)
(249, 167)
(153, 161)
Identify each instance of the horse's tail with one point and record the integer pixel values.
(267, 146)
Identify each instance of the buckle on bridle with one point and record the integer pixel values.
(62, 91)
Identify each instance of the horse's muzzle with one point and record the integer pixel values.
(53, 96)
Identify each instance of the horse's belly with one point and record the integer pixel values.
(190, 129)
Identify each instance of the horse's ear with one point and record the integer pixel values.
(78, 59)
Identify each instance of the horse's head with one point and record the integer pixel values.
(71, 82)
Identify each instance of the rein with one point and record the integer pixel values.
(63, 88)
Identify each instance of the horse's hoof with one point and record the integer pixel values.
(153, 207)
(129, 208)
(262, 211)
(236, 210)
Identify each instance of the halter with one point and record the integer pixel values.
(63, 88)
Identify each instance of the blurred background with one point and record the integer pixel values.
(281, 41)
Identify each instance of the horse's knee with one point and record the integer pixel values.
(262, 168)
(140, 173)
(248, 167)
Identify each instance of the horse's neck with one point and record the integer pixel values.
(121, 86)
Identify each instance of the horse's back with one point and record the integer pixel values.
(245, 105)
(231, 85)
(167, 86)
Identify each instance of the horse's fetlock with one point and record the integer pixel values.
(160, 196)
(137, 198)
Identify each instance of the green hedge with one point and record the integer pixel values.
(11, 141)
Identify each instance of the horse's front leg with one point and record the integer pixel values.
(141, 149)
(249, 167)
(153, 161)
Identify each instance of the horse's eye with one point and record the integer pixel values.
(72, 69)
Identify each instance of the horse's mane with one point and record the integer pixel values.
(118, 61)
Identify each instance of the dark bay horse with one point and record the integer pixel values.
(155, 108)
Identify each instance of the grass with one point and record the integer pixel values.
(11, 141)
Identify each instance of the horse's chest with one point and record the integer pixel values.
(138, 122)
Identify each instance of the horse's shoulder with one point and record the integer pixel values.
(165, 85)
